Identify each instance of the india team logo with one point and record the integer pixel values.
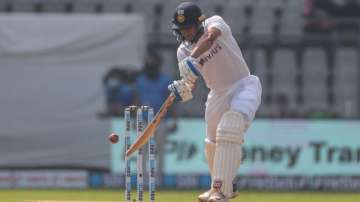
(180, 18)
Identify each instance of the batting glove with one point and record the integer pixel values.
(188, 69)
(181, 90)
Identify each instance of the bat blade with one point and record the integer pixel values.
(151, 127)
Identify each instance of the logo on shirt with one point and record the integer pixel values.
(211, 54)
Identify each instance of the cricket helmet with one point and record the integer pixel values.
(187, 14)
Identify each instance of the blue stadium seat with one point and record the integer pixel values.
(315, 73)
(346, 81)
(260, 68)
(88, 6)
(292, 22)
(260, 65)
(58, 6)
(284, 71)
(234, 15)
(25, 5)
(263, 19)
(6, 6)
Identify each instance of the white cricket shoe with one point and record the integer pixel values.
(205, 196)
(217, 196)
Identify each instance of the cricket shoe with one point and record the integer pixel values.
(204, 197)
(217, 196)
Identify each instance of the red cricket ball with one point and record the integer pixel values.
(113, 138)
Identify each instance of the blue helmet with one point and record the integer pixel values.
(187, 14)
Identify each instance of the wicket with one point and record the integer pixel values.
(140, 111)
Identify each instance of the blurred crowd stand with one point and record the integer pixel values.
(148, 87)
(118, 85)
(304, 50)
(325, 16)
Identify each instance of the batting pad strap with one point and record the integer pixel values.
(232, 127)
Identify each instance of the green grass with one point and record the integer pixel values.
(23, 195)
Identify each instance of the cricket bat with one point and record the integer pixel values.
(152, 126)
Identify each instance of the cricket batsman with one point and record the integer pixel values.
(208, 49)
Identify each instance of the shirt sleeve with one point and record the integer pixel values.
(219, 23)
(180, 54)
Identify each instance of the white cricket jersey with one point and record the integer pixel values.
(223, 64)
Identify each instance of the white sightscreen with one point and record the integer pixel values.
(50, 84)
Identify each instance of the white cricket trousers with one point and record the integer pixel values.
(244, 97)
